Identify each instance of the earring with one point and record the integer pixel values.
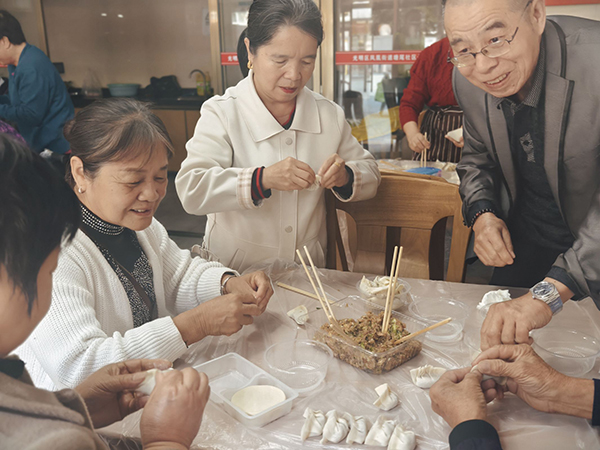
(79, 190)
(249, 65)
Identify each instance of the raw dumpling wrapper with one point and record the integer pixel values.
(149, 382)
(256, 399)
(335, 429)
(358, 429)
(379, 435)
(299, 314)
(316, 185)
(499, 296)
(402, 439)
(387, 399)
(313, 424)
(426, 376)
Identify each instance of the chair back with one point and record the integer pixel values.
(410, 211)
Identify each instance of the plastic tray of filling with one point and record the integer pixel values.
(372, 351)
(231, 373)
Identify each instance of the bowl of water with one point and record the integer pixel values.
(568, 351)
(300, 363)
(434, 310)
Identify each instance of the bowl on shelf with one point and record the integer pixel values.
(123, 89)
(570, 352)
(434, 310)
(300, 363)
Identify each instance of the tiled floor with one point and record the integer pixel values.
(187, 230)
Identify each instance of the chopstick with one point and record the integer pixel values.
(391, 289)
(324, 303)
(297, 290)
(424, 330)
(425, 152)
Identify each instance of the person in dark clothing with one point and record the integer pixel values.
(460, 397)
(37, 100)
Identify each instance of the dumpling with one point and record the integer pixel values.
(402, 439)
(380, 433)
(358, 429)
(313, 424)
(501, 295)
(387, 399)
(149, 382)
(376, 290)
(299, 314)
(335, 429)
(316, 185)
(426, 376)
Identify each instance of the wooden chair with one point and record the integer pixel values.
(410, 211)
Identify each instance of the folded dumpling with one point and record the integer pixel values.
(426, 376)
(149, 382)
(387, 399)
(358, 429)
(402, 439)
(376, 289)
(314, 421)
(299, 314)
(316, 184)
(381, 432)
(336, 428)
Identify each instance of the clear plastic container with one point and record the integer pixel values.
(229, 373)
(570, 352)
(433, 310)
(301, 363)
(354, 307)
(399, 299)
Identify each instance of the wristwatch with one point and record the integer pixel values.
(547, 293)
(227, 276)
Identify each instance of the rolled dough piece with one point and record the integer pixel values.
(255, 399)
(149, 382)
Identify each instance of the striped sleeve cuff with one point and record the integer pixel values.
(356, 184)
(244, 189)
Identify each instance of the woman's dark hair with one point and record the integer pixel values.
(115, 129)
(38, 212)
(266, 17)
(11, 28)
(242, 53)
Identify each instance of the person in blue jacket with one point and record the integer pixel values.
(37, 100)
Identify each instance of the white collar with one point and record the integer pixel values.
(261, 123)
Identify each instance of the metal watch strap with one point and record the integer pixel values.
(547, 293)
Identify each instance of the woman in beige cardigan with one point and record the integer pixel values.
(258, 150)
(39, 214)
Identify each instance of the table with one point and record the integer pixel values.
(349, 389)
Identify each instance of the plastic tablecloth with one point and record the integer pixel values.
(348, 389)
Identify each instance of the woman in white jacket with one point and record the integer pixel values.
(258, 150)
(123, 289)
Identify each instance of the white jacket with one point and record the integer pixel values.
(235, 135)
(90, 324)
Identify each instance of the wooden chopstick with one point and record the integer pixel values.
(394, 282)
(424, 330)
(389, 291)
(314, 269)
(329, 318)
(298, 291)
(425, 158)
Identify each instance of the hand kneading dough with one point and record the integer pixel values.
(256, 399)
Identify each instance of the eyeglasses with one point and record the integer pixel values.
(494, 50)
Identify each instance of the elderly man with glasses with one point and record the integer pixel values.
(530, 169)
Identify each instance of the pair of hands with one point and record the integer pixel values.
(172, 414)
(294, 175)
(508, 322)
(247, 297)
(460, 395)
(417, 140)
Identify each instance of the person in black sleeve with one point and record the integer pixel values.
(460, 397)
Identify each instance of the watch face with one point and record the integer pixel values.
(544, 290)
